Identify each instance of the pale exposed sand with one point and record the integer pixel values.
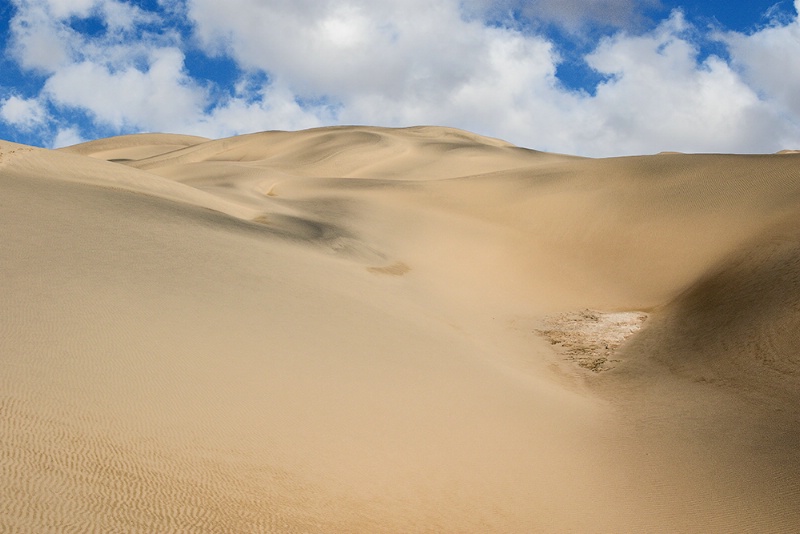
(417, 330)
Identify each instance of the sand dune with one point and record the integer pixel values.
(737, 324)
(359, 329)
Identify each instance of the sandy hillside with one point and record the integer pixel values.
(359, 329)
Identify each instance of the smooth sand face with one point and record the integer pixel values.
(372, 330)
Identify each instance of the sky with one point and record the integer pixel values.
(587, 77)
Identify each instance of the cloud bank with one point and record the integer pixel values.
(107, 67)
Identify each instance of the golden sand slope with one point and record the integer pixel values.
(389, 330)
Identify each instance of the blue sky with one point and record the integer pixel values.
(588, 77)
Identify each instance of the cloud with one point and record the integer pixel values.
(430, 64)
(768, 61)
(389, 62)
(159, 96)
(271, 107)
(63, 9)
(392, 48)
(42, 38)
(38, 41)
(660, 97)
(23, 113)
(67, 137)
(310, 63)
(127, 78)
(571, 15)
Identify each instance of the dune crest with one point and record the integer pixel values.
(361, 329)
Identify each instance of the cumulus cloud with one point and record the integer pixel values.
(768, 61)
(428, 63)
(329, 47)
(67, 137)
(42, 38)
(24, 113)
(159, 96)
(396, 63)
(659, 95)
(128, 78)
(271, 107)
(37, 40)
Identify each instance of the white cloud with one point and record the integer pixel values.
(768, 60)
(572, 15)
(273, 108)
(398, 63)
(64, 9)
(24, 113)
(38, 40)
(660, 98)
(114, 13)
(327, 47)
(159, 97)
(67, 137)
(42, 39)
(121, 16)
(510, 92)
(126, 78)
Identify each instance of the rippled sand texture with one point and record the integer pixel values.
(418, 330)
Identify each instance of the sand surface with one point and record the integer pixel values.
(359, 329)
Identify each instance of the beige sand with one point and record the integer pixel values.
(418, 330)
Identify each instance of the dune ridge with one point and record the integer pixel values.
(361, 329)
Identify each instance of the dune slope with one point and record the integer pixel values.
(737, 325)
(391, 330)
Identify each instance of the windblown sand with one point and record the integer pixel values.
(359, 329)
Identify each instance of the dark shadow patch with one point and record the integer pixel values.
(398, 268)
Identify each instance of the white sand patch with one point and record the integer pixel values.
(590, 337)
